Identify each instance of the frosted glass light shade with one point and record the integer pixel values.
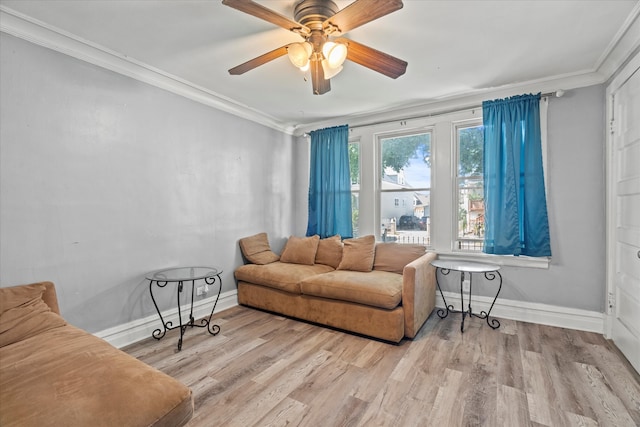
(334, 53)
(299, 53)
(330, 71)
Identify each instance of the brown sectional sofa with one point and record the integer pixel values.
(383, 290)
(54, 374)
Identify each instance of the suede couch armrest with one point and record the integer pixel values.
(50, 297)
(418, 293)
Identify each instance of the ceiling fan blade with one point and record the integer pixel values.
(258, 61)
(374, 59)
(266, 14)
(360, 12)
(319, 83)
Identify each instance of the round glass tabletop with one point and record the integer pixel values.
(179, 274)
(468, 266)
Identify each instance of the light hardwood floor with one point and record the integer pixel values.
(267, 370)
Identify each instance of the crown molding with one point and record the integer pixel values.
(623, 45)
(40, 33)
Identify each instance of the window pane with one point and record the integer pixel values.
(409, 223)
(354, 163)
(470, 189)
(404, 191)
(354, 168)
(355, 212)
(470, 150)
(470, 215)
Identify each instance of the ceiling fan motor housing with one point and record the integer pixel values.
(313, 13)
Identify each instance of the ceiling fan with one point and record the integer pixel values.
(317, 22)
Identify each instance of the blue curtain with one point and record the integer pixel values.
(330, 183)
(516, 221)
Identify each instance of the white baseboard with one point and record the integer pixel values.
(544, 314)
(131, 332)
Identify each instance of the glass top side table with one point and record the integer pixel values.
(208, 275)
(465, 268)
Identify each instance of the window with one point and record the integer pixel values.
(420, 181)
(469, 203)
(405, 181)
(354, 170)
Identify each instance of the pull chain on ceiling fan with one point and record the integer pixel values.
(316, 21)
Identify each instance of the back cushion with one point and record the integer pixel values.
(330, 251)
(393, 257)
(23, 313)
(300, 250)
(357, 254)
(256, 249)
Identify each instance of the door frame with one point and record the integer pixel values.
(614, 85)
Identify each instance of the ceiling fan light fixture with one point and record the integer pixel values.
(299, 53)
(334, 53)
(329, 71)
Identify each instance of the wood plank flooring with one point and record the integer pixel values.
(267, 370)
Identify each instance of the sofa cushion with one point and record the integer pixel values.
(393, 256)
(256, 249)
(300, 250)
(358, 254)
(330, 251)
(68, 377)
(24, 314)
(279, 275)
(375, 288)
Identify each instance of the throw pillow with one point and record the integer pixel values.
(358, 254)
(23, 313)
(330, 251)
(393, 256)
(256, 249)
(300, 250)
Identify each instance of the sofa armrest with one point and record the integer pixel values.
(418, 292)
(50, 297)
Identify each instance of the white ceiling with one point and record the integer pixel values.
(453, 48)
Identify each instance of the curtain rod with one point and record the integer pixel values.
(557, 93)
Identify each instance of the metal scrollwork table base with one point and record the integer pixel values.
(465, 268)
(210, 276)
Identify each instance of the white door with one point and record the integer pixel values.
(624, 213)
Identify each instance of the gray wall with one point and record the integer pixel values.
(576, 206)
(104, 178)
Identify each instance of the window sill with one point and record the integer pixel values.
(502, 260)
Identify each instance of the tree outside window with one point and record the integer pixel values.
(470, 184)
